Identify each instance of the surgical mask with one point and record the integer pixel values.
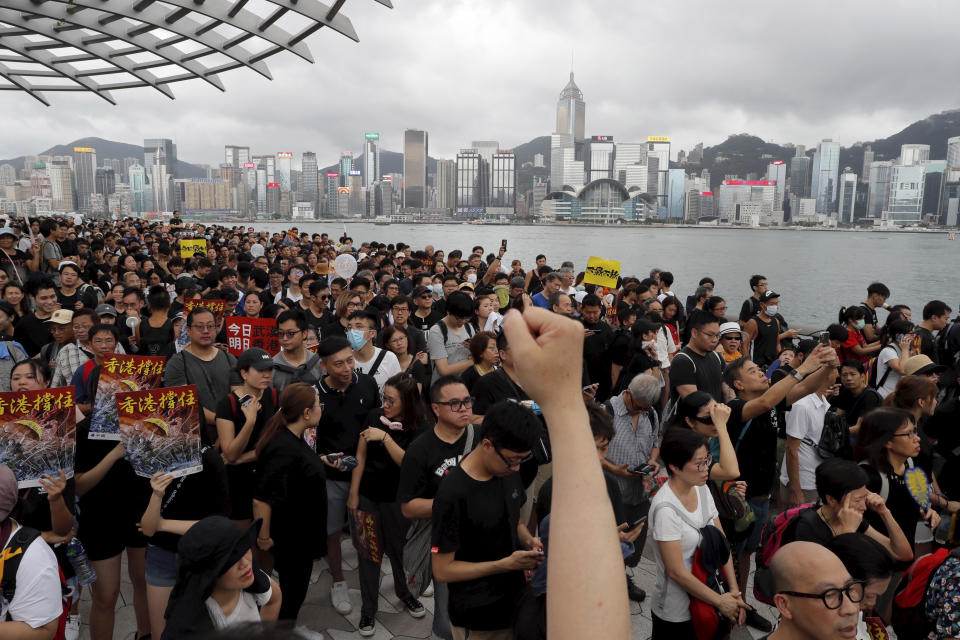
(472, 278)
(772, 309)
(580, 287)
(357, 339)
(861, 324)
(429, 288)
(648, 343)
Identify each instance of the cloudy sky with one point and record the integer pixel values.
(492, 70)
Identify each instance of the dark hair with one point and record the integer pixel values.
(894, 327)
(734, 371)
(679, 446)
(601, 422)
(389, 332)
(591, 300)
(862, 556)
(293, 314)
(406, 386)
(853, 363)
(878, 288)
(510, 425)
(666, 278)
(34, 286)
(935, 308)
(702, 292)
(459, 305)
(755, 280)
(294, 400)
(479, 343)
(838, 332)
(624, 311)
(699, 320)
(332, 345)
(837, 477)
(689, 406)
(366, 315)
(910, 390)
(137, 291)
(86, 312)
(853, 313)
(707, 280)
(401, 299)
(39, 368)
(158, 299)
(876, 430)
(440, 384)
(713, 302)
(105, 328)
(194, 313)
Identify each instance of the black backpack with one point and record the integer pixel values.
(16, 547)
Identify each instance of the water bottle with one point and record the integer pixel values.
(77, 555)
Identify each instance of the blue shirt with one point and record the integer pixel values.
(540, 300)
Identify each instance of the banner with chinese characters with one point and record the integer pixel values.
(216, 306)
(38, 433)
(602, 272)
(160, 429)
(191, 247)
(121, 373)
(366, 536)
(244, 333)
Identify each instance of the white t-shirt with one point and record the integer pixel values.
(246, 611)
(670, 602)
(888, 353)
(387, 369)
(455, 350)
(805, 423)
(38, 599)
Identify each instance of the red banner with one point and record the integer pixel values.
(244, 333)
(214, 305)
(121, 373)
(160, 429)
(38, 433)
(366, 536)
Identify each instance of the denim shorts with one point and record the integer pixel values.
(162, 567)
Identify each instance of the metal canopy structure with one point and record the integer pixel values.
(103, 45)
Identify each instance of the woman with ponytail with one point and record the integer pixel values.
(290, 495)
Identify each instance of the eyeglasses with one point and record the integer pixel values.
(388, 401)
(457, 405)
(908, 434)
(833, 598)
(204, 327)
(288, 334)
(710, 335)
(513, 463)
(704, 464)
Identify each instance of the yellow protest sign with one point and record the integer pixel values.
(189, 248)
(602, 272)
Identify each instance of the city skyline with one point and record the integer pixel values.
(750, 82)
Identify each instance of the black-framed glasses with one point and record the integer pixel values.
(908, 434)
(833, 598)
(513, 463)
(458, 405)
(288, 334)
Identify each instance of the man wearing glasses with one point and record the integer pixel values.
(294, 363)
(697, 367)
(480, 547)
(815, 595)
(428, 460)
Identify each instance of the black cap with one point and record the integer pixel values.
(769, 295)
(419, 291)
(256, 358)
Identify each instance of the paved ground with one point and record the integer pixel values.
(392, 619)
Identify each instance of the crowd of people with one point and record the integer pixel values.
(451, 407)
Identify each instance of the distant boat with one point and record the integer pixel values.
(477, 222)
(381, 221)
(952, 236)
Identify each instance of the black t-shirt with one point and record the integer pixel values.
(427, 460)
(381, 474)
(901, 504)
(471, 376)
(765, 343)
(424, 324)
(596, 356)
(854, 407)
(291, 478)
(32, 333)
(639, 363)
(811, 528)
(928, 343)
(195, 497)
(156, 341)
(33, 508)
(704, 371)
(620, 346)
(225, 411)
(344, 415)
(477, 522)
(750, 308)
(756, 447)
(87, 296)
(492, 388)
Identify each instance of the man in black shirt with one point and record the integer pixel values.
(751, 305)
(32, 330)
(697, 367)
(936, 317)
(855, 399)
(347, 398)
(481, 547)
(753, 426)
(877, 294)
(598, 336)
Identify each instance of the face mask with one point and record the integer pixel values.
(772, 309)
(472, 278)
(648, 343)
(429, 288)
(356, 338)
(580, 287)
(861, 324)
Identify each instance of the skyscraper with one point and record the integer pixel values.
(848, 196)
(559, 142)
(911, 154)
(867, 160)
(571, 116)
(61, 185)
(878, 192)
(371, 158)
(777, 171)
(628, 154)
(415, 152)
(446, 183)
(309, 180)
(84, 171)
(953, 152)
(105, 181)
(503, 184)
(659, 147)
(284, 160)
(676, 180)
(905, 204)
(333, 184)
(137, 179)
(237, 157)
(345, 167)
(160, 163)
(800, 176)
(600, 158)
(826, 172)
(472, 179)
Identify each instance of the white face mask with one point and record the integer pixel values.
(648, 343)
(472, 278)
(772, 309)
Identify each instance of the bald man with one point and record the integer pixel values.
(807, 578)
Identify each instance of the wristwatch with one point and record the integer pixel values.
(796, 374)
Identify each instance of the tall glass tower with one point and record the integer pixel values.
(571, 115)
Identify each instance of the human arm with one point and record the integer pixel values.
(493, 269)
(541, 342)
(233, 443)
(672, 556)
(896, 363)
(445, 369)
(817, 360)
(895, 541)
(353, 497)
(61, 520)
(417, 508)
(87, 480)
(829, 363)
(263, 511)
(749, 333)
(727, 467)
(447, 569)
(152, 520)
(271, 610)
(791, 459)
(394, 450)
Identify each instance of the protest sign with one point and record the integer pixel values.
(191, 247)
(160, 429)
(121, 373)
(38, 433)
(366, 538)
(216, 306)
(602, 272)
(244, 333)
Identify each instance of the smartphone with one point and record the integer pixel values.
(643, 469)
(349, 462)
(825, 339)
(246, 400)
(638, 522)
(503, 244)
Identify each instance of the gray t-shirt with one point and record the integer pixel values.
(51, 251)
(213, 379)
(454, 349)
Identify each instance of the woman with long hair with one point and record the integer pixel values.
(701, 413)
(485, 356)
(397, 341)
(12, 292)
(897, 340)
(373, 490)
(290, 494)
(887, 443)
(672, 310)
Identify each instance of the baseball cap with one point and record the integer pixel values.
(729, 327)
(517, 282)
(401, 254)
(61, 316)
(256, 358)
(769, 295)
(419, 291)
(106, 310)
(464, 285)
(921, 365)
(579, 296)
(8, 231)
(64, 263)
(8, 492)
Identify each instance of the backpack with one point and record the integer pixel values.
(871, 372)
(834, 437)
(944, 355)
(9, 565)
(445, 331)
(775, 534)
(909, 605)
(671, 409)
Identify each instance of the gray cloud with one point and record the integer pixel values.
(492, 69)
